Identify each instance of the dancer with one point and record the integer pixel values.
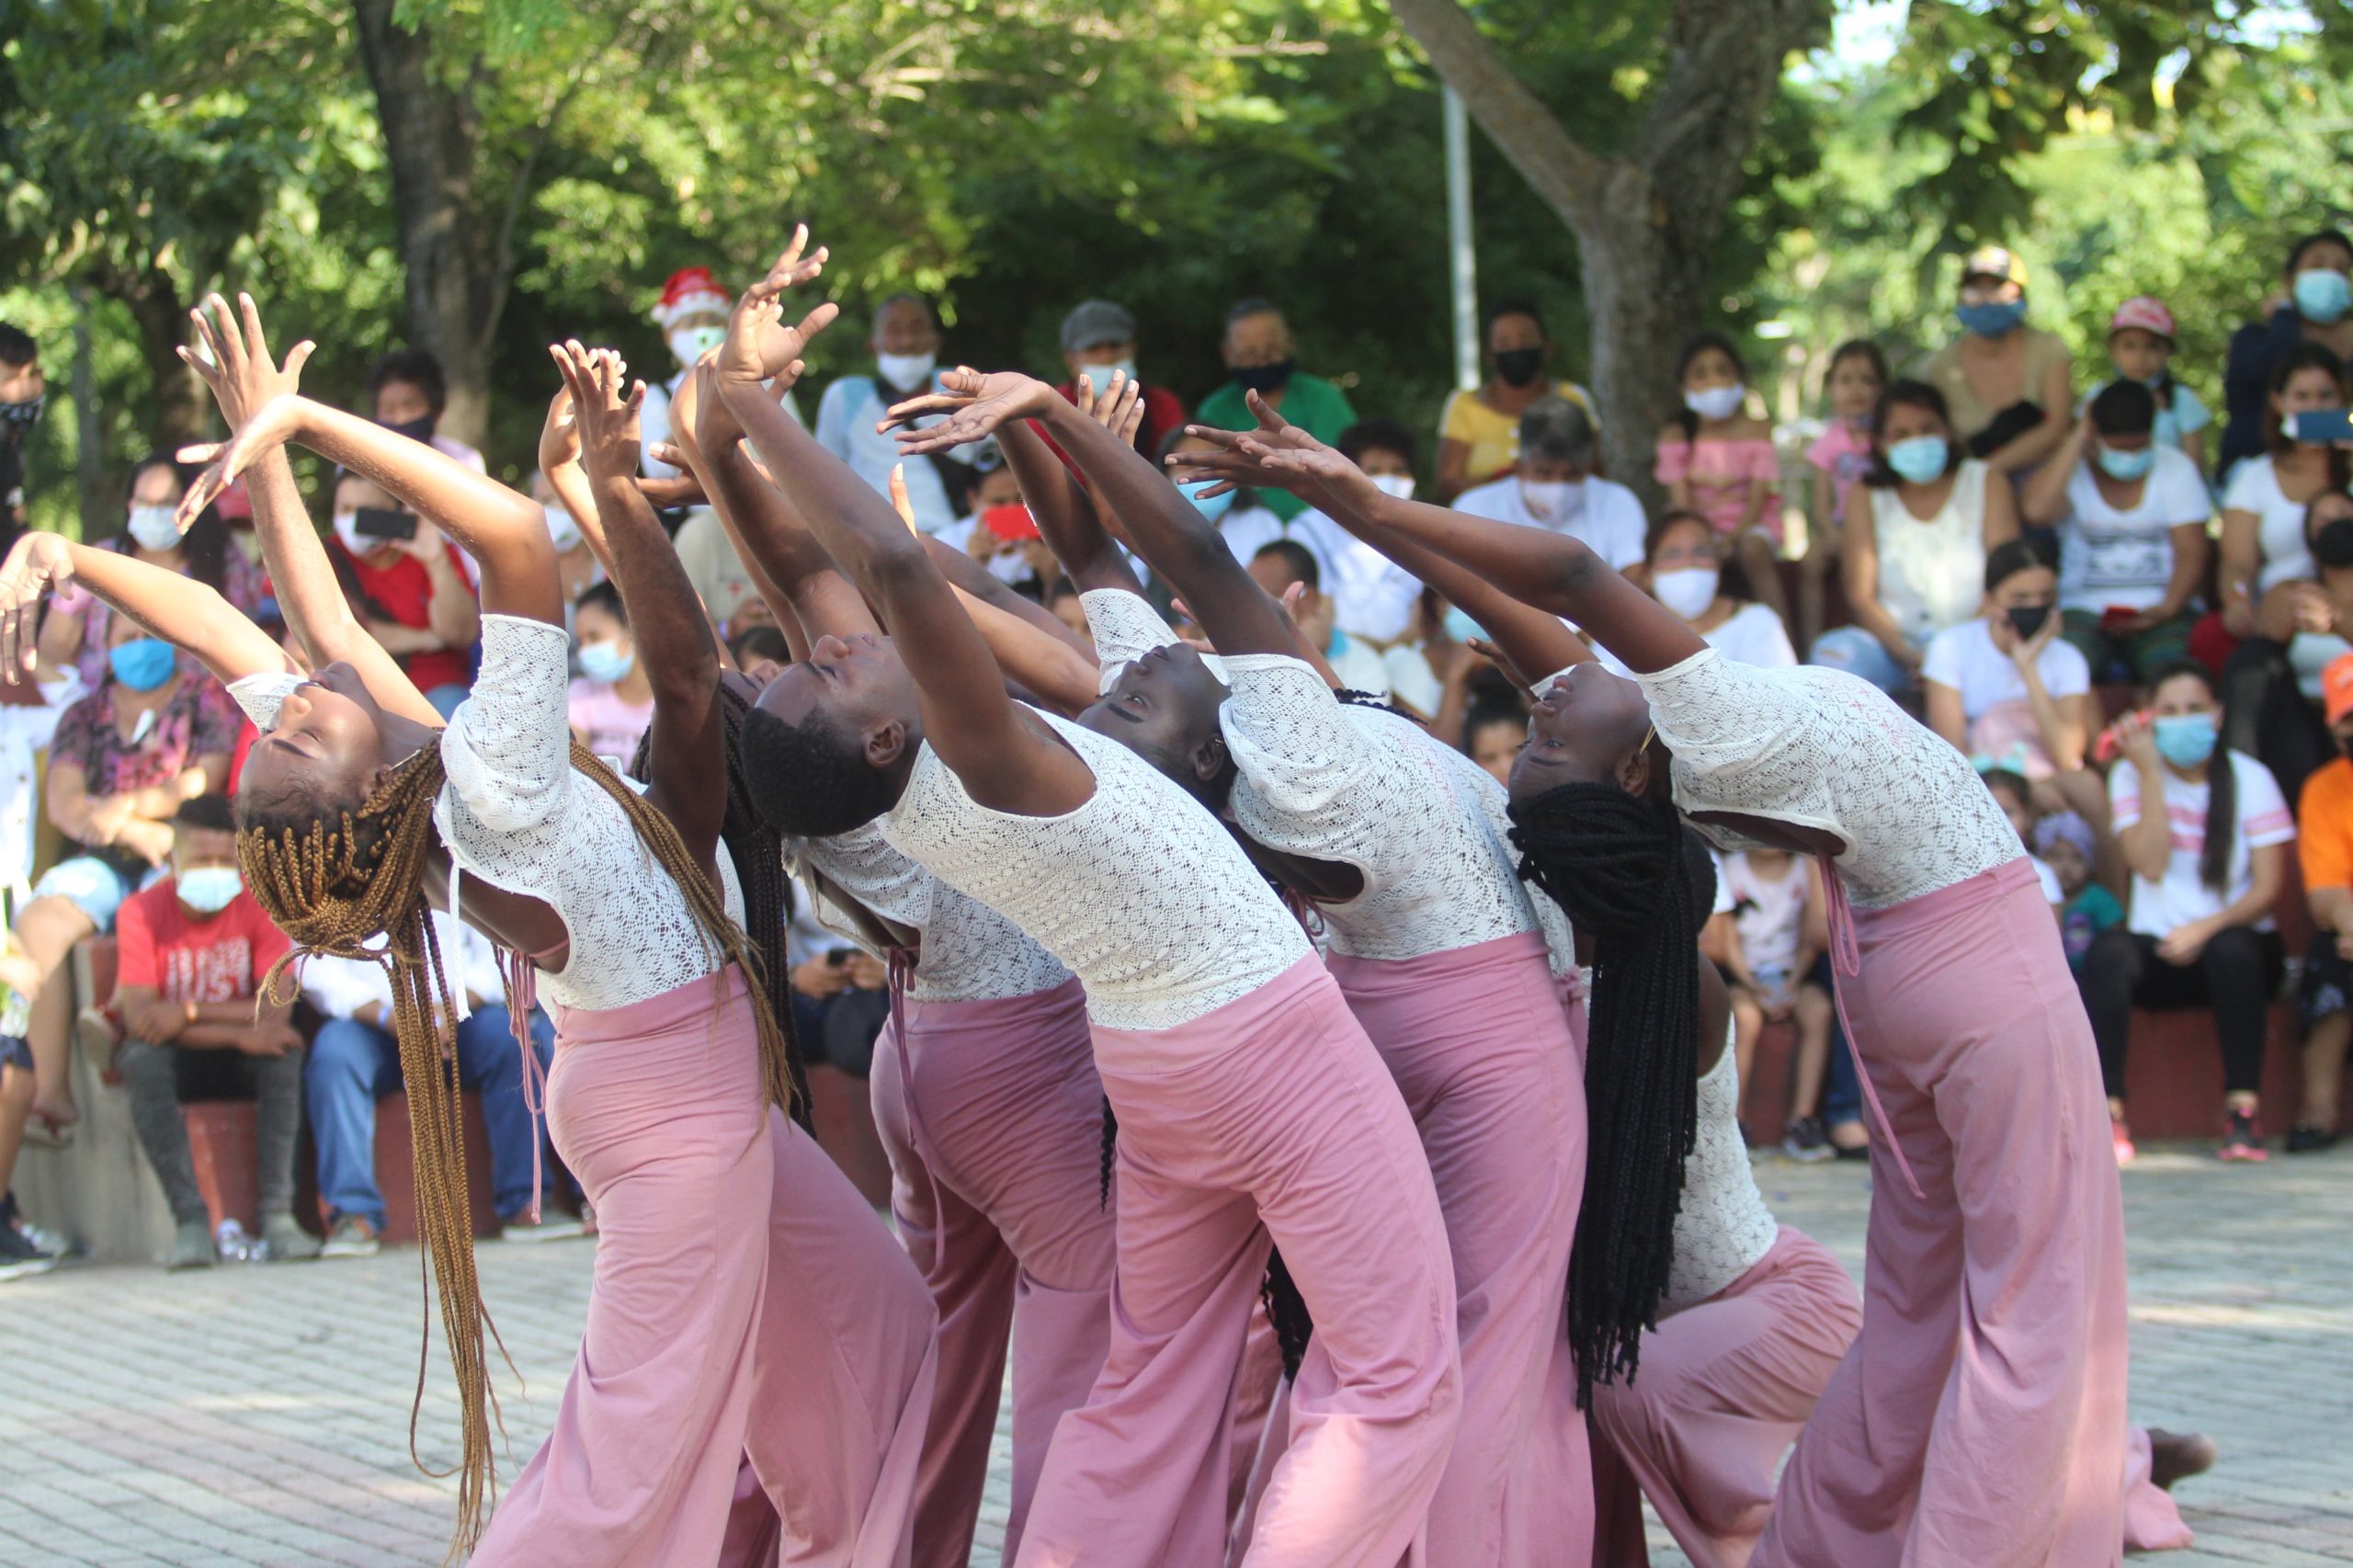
(1431, 936)
(1251, 1106)
(984, 1085)
(1980, 1416)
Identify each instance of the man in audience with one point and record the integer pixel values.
(1099, 337)
(1257, 352)
(191, 952)
(354, 1063)
(905, 340)
(2325, 845)
(22, 394)
(1554, 486)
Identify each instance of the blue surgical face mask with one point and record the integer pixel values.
(2128, 465)
(1994, 319)
(143, 665)
(209, 888)
(1460, 626)
(1919, 460)
(1210, 506)
(2322, 295)
(2185, 739)
(606, 663)
(1099, 376)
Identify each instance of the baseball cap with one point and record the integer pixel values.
(1994, 262)
(1096, 323)
(2337, 687)
(2144, 311)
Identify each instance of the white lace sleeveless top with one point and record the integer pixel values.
(1143, 895)
(969, 953)
(1724, 1226)
(514, 814)
(1824, 749)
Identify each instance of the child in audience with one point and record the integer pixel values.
(2065, 842)
(1839, 456)
(1493, 735)
(1717, 460)
(1776, 930)
(2016, 797)
(2140, 348)
(612, 702)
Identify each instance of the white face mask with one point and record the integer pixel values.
(1399, 486)
(1716, 403)
(689, 343)
(346, 529)
(1551, 500)
(907, 370)
(209, 889)
(152, 528)
(1099, 376)
(561, 529)
(1686, 590)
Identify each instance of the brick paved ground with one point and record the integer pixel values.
(257, 1415)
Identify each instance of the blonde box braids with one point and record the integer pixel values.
(341, 884)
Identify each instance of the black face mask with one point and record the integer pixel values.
(16, 418)
(1519, 366)
(1262, 379)
(414, 429)
(2026, 619)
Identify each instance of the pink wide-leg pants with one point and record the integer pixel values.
(1978, 1418)
(1481, 1046)
(1269, 1117)
(993, 1117)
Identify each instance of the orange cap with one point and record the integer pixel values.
(2337, 687)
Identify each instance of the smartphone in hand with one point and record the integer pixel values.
(2320, 426)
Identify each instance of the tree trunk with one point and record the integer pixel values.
(1644, 293)
(182, 408)
(431, 135)
(100, 512)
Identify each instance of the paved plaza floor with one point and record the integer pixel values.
(259, 1415)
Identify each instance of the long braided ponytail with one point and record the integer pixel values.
(1619, 867)
(334, 882)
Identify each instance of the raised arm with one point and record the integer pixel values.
(1006, 761)
(1065, 514)
(687, 774)
(178, 610)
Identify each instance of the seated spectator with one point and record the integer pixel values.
(23, 390)
(1373, 599)
(1778, 928)
(2131, 513)
(2207, 846)
(1493, 733)
(2065, 842)
(840, 995)
(577, 566)
(412, 587)
(1915, 559)
(1099, 337)
(190, 953)
(409, 393)
(74, 631)
(1061, 597)
(2016, 797)
(905, 341)
(2314, 310)
(1257, 348)
(2008, 692)
(1278, 566)
(1684, 555)
(25, 732)
(355, 1062)
(2300, 628)
(2008, 388)
(612, 702)
(1554, 486)
(755, 648)
(1242, 515)
(2140, 348)
(122, 761)
(993, 486)
(1478, 435)
(1839, 456)
(1716, 459)
(2325, 846)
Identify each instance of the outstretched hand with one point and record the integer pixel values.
(759, 346)
(976, 405)
(39, 564)
(236, 363)
(606, 416)
(560, 434)
(1118, 408)
(1278, 455)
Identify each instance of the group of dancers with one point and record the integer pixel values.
(1340, 1147)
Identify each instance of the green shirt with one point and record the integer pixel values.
(1312, 403)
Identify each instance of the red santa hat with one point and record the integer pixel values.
(690, 290)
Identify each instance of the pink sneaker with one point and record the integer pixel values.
(2123, 1136)
(2242, 1140)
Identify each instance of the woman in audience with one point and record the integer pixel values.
(1717, 459)
(2315, 309)
(1478, 436)
(612, 702)
(2009, 387)
(409, 585)
(2205, 831)
(1915, 556)
(1839, 456)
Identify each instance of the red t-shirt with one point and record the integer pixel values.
(402, 591)
(220, 959)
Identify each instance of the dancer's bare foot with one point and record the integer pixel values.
(2175, 1456)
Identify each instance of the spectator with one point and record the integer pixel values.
(1554, 486)
(1373, 599)
(24, 732)
(758, 648)
(2016, 797)
(1684, 558)
(577, 566)
(190, 954)
(1778, 930)
(692, 314)
(355, 1062)
(1717, 459)
(612, 702)
(409, 394)
(2140, 348)
(2131, 515)
(2207, 846)
(2313, 312)
(1099, 337)
(1493, 734)
(2006, 688)
(1258, 351)
(22, 393)
(1062, 598)
(1839, 456)
(2325, 845)
(1283, 562)
(2007, 387)
(409, 586)
(74, 631)
(1244, 519)
(905, 340)
(1478, 436)
(2065, 842)
(993, 486)
(122, 761)
(840, 995)
(1915, 558)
